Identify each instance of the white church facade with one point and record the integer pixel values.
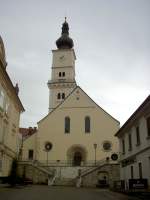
(76, 130)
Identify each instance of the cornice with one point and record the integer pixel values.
(142, 110)
(72, 85)
(62, 67)
(9, 88)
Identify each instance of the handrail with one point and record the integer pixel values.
(36, 165)
(98, 164)
(63, 163)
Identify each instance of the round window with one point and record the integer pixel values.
(107, 146)
(48, 146)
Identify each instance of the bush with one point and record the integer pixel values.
(13, 177)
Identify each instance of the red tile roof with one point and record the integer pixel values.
(26, 132)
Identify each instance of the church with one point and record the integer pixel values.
(76, 132)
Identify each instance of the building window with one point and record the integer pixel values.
(7, 107)
(58, 96)
(59, 74)
(63, 95)
(107, 145)
(132, 172)
(123, 146)
(140, 170)
(30, 154)
(138, 136)
(148, 126)
(87, 124)
(63, 74)
(130, 142)
(0, 165)
(1, 99)
(67, 125)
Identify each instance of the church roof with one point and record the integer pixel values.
(77, 87)
(64, 42)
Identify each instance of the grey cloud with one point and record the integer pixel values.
(112, 46)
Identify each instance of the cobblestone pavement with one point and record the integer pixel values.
(59, 193)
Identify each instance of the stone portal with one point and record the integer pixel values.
(77, 155)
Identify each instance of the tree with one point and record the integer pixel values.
(13, 177)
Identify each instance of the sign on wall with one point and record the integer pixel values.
(138, 184)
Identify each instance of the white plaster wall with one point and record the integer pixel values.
(9, 126)
(53, 101)
(141, 152)
(144, 158)
(67, 65)
(51, 128)
(145, 142)
(69, 59)
(30, 143)
(69, 73)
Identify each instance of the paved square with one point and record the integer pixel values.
(58, 193)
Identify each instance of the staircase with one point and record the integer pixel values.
(34, 171)
(89, 170)
(70, 176)
(64, 182)
(58, 175)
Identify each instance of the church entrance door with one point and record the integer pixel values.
(77, 159)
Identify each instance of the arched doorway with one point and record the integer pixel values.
(103, 179)
(77, 159)
(76, 155)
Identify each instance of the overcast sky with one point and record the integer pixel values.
(111, 42)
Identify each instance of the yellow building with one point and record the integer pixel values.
(10, 109)
(77, 132)
(75, 126)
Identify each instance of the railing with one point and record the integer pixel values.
(39, 166)
(65, 163)
(98, 164)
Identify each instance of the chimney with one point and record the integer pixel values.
(30, 130)
(17, 89)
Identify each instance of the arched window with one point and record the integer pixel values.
(63, 74)
(59, 74)
(87, 124)
(63, 95)
(67, 125)
(58, 96)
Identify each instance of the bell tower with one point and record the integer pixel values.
(62, 80)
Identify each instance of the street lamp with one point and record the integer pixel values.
(58, 161)
(48, 147)
(95, 147)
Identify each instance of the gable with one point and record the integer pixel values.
(78, 99)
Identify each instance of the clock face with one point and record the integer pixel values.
(62, 58)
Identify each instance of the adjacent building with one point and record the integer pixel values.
(28, 142)
(10, 110)
(134, 141)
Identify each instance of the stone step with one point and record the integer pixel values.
(64, 182)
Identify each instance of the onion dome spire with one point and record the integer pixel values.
(64, 42)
